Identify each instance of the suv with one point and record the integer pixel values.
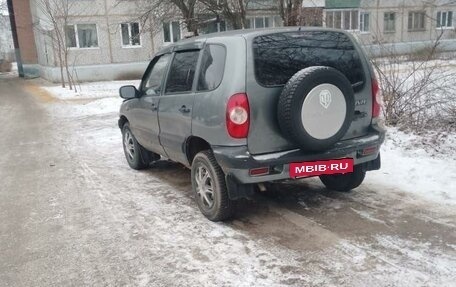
(245, 107)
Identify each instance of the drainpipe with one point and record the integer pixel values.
(17, 52)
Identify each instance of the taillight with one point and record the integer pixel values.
(238, 116)
(376, 100)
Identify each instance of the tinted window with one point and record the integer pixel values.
(154, 80)
(279, 56)
(212, 67)
(182, 72)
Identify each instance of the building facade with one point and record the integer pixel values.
(108, 39)
(403, 23)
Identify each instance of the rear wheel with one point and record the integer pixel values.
(344, 182)
(209, 187)
(316, 108)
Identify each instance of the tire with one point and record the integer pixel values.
(137, 156)
(209, 187)
(344, 182)
(328, 95)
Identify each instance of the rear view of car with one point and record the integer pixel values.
(256, 106)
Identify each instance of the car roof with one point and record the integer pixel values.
(245, 33)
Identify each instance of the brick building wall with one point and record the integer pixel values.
(25, 34)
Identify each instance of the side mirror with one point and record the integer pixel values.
(128, 92)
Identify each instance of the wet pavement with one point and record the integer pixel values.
(72, 213)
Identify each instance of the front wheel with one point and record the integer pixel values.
(344, 182)
(209, 187)
(137, 157)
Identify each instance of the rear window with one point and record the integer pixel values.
(212, 66)
(279, 56)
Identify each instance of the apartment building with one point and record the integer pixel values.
(392, 21)
(107, 39)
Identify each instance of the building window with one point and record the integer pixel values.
(416, 21)
(342, 19)
(260, 22)
(171, 32)
(389, 22)
(364, 22)
(444, 19)
(212, 27)
(81, 36)
(130, 34)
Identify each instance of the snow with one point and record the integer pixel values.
(411, 164)
(149, 219)
(420, 165)
(90, 90)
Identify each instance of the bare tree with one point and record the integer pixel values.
(187, 9)
(419, 89)
(52, 24)
(152, 13)
(233, 11)
(290, 11)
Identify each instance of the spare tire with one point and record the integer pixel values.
(316, 108)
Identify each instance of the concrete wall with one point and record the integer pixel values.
(110, 60)
(100, 72)
(405, 48)
(377, 8)
(107, 16)
(401, 8)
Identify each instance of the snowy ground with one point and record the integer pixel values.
(91, 90)
(423, 165)
(79, 216)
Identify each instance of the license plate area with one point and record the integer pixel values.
(321, 167)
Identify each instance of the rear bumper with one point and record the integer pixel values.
(236, 162)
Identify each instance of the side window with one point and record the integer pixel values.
(153, 82)
(182, 72)
(212, 67)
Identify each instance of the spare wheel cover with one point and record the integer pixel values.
(323, 111)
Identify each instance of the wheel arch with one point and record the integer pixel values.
(122, 120)
(194, 145)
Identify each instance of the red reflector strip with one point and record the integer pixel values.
(259, 171)
(369, 150)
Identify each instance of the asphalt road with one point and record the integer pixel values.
(73, 214)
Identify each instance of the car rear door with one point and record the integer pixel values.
(176, 103)
(275, 57)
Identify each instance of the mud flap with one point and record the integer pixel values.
(372, 165)
(238, 190)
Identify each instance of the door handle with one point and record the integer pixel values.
(153, 107)
(184, 109)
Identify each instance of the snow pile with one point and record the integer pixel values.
(420, 164)
(99, 106)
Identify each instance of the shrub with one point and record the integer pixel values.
(5, 66)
